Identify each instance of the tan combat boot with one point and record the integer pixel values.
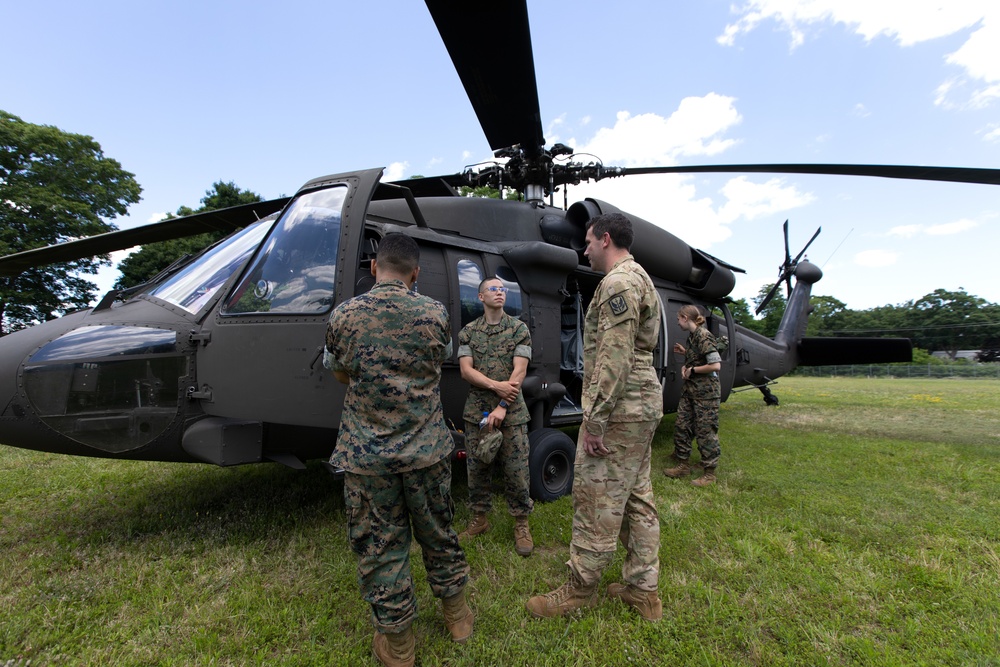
(479, 525)
(458, 617)
(647, 603)
(395, 649)
(523, 544)
(707, 479)
(562, 601)
(682, 469)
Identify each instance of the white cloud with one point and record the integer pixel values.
(908, 22)
(156, 217)
(395, 171)
(752, 200)
(905, 231)
(952, 227)
(992, 132)
(876, 258)
(697, 128)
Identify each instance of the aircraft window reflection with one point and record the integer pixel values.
(113, 388)
(469, 277)
(513, 304)
(295, 271)
(193, 287)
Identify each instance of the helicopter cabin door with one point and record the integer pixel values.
(260, 358)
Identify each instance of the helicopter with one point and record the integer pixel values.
(218, 359)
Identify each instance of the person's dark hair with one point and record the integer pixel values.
(398, 253)
(617, 226)
(487, 280)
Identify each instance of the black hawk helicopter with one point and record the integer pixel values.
(218, 358)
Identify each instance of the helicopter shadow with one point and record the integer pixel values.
(238, 505)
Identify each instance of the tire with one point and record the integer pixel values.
(550, 464)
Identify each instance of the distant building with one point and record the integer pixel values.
(970, 355)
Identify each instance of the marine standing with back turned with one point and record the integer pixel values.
(493, 354)
(388, 346)
(622, 406)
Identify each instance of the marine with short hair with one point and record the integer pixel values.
(394, 447)
(493, 354)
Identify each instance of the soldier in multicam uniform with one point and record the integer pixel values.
(622, 406)
(388, 346)
(493, 354)
(698, 410)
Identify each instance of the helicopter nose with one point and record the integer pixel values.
(19, 423)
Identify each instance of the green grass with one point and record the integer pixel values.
(856, 523)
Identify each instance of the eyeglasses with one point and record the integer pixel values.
(494, 288)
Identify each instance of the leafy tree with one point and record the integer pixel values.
(55, 186)
(949, 321)
(741, 315)
(827, 315)
(770, 317)
(486, 192)
(152, 258)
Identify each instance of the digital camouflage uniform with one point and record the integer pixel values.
(493, 348)
(613, 495)
(394, 446)
(698, 410)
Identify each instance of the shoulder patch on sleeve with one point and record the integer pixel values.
(618, 305)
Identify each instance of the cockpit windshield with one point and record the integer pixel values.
(296, 268)
(194, 285)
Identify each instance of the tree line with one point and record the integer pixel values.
(57, 186)
(941, 321)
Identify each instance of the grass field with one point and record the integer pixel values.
(856, 523)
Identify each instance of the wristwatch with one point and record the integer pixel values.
(504, 404)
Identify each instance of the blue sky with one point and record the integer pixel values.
(184, 94)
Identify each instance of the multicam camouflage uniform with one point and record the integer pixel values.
(698, 410)
(493, 348)
(395, 447)
(613, 495)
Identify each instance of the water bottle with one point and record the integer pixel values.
(484, 420)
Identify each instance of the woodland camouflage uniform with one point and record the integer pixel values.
(492, 348)
(613, 495)
(394, 446)
(698, 410)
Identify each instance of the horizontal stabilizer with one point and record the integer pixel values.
(842, 351)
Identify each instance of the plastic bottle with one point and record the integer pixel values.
(486, 418)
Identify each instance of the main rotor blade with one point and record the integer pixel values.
(914, 172)
(226, 219)
(490, 46)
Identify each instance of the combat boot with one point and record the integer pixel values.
(563, 600)
(458, 617)
(682, 469)
(479, 525)
(523, 544)
(707, 479)
(647, 603)
(395, 649)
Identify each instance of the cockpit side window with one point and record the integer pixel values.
(194, 286)
(295, 269)
(469, 277)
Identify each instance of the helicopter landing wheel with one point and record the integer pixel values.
(769, 398)
(550, 464)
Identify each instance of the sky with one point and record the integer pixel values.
(266, 95)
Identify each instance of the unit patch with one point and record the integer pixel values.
(618, 305)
